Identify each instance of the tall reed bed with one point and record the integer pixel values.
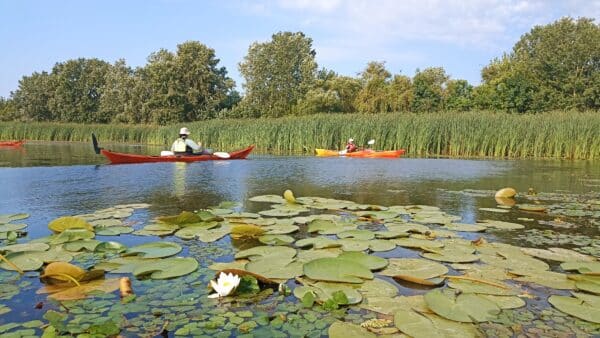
(570, 135)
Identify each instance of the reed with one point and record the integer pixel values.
(571, 135)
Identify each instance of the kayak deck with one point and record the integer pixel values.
(367, 153)
(119, 158)
(11, 143)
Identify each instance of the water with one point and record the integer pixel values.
(58, 179)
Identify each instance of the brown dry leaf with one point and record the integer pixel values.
(69, 292)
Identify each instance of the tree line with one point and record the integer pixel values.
(552, 67)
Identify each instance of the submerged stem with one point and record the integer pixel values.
(11, 264)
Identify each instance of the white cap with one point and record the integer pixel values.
(184, 131)
(351, 140)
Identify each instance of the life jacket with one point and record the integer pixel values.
(179, 146)
(350, 147)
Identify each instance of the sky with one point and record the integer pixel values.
(462, 36)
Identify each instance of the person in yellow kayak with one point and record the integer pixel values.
(350, 146)
(186, 146)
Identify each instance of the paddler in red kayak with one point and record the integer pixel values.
(186, 146)
(350, 146)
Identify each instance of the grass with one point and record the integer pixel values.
(570, 135)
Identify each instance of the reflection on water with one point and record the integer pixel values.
(52, 180)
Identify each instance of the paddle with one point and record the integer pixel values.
(95, 143)
(221, 154)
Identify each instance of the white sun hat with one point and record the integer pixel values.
(184, 131)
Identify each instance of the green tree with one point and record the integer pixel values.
(401, 94)
(331, 93)
(117, 94)
(8, 111)
(31, 99)
(278, 73)
(186, 86)
(373, 96)
(458, 95)
(428, 89)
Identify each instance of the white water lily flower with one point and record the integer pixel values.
(224, 285)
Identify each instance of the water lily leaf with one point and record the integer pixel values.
(576, 307)
(268, 199)
(239, 264)
(113, 230)
(191, 232)
(325, 291)
(390, 234)
(351, 244)
(25, 247)
(212, 235)
(123, 264)
(379, 245)
(408, 228)
(281, 212)
(558, 254)
(69, 222)
(280, 229)
(465, 227)
(263, 252)
(62, 272)
(506, 302)
(348, 330)
(466, 308)
(515, 263)
(532, 207)
(500, 224)
(115, 247)
(12, 227)
(254, 221)
(416, 267)
(309, 255)
(337, 270)
(275, 268)
(4, 309)
(389, 305)
(318, 243)
(588, 283)
(451, 255)
(25, 260)
(68, 292)
(276, 239)
(207, 216)
(417, 243)
(185, 217)
(378, 288)
(422, 326)
(108, 222)
(371, 262)
(12, 217)
(241, 215)
(546, 278)
(357, 234)
(328, 227)
(80, 245)
(582, 267)
(378, 215)
(57, 254)
(166, 268)
(501, 211)
(483, 287)
(246, 230)
(154, 250)
(420, 281)
(221, 211)
(70, 235)
(590, 299)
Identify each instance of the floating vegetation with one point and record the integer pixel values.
(353, 269)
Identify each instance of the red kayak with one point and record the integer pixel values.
(11, 143)
(116, 158)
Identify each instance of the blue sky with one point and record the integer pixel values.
(460, 35)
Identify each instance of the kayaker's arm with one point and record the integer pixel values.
(195, 147)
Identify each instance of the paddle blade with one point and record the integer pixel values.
(221, 154)
(95, 143)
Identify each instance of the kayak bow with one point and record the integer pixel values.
(11, 143)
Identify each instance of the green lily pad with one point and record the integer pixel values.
(12, 217)
(379, 245)
(357, 234)
(576, 307)
(419, 325)
(268, 199)
(115, 247)
(351, 244)
(281, 212)
(558, 254)
(154, 250)
(108, 222)
(280, 229)
(80, 245)
(167, 268)
(204, 233)
(69, 222)
(501, 211)
(262, 252)
(12, 227)
(465, 227)
(451, 255)
(500, 224)
(378, 288)
(390, 234)
(545, 278)
(328, 227)
(417, 243)
(348, 330)
(582, 267)
(467, 286)
(466, 308)
(113, 230)
(371, 262)
(318, 243)
(414, 267)
(506, 302)
(337, 270)
(325, 291)
(389, 305)
(25, 247)
(123, 264)
(306, 256)
(70, 235)
(185, 217)
(590, 284)
(593, 300)
(276, 239)
(532, 207)
(275, 267)
(25, 260)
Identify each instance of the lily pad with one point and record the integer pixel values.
(417, 243)
(497, 210)
(337, 270)
(500, 224)
(276, 239)
(416, 267)
(167, 268)
(378, 288)
(558, 254)
(318, 243)
(576, 307)
(369, 261)
(422, 326)
(506, 302)
(113, 230)
(12, 227)
(357, 234)
(482, 286)
(348, 330)
(465, 227)
(80, 245)
(379, 245)
(115, 247)
(185, 217)
(275, 267)
(325, 291)
(532, 207)
(466, 308)
(25, 260)
(25, 247)
(69, 222)
(68, 292)
(262, 252)
(154, 250)
(268, 199)
(582, 267)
